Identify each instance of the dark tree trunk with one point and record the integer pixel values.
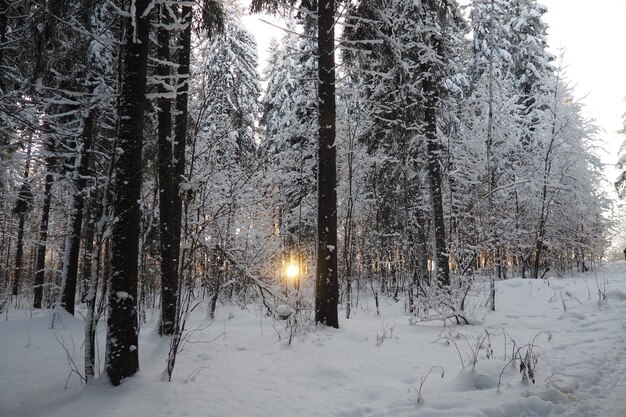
(180, 127)
(19, 255)
(168, 189)
(215, 282)
(40, 267)
(178, 167)
(326, 282)
(421, 250)
(22, 207)
(434, 151)
(122, 353)
(76, 216)
(349, 231)
(537, 260)
(90, 234)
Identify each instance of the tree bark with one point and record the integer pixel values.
(122, 353)
(326, 283)
(75, 216)
(89, 236)
(168, 189)
(40, 268)
(22, 207)
(19, 255)
(182, 98)
(434, 151)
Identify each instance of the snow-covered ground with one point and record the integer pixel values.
(372, 366)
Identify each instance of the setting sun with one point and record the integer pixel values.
(292, 271)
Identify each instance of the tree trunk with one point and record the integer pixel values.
(182, 98)
(92, 316)
(326, 282)
(168, 189)
(174, 227)
(422, 251)
(349, 230)
(19, 255)
(75, 217)
(215, 282)
(90, 234)
(22, 207)
(40, 268)
(122, 354)
(434, 151)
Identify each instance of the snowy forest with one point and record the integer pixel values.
(415, 155)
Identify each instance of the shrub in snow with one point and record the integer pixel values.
(295, 314)
(387, 334)
(526, 355)
(446, 304)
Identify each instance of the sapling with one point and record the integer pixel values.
(423, 378)
(601, 287)
(387, 334)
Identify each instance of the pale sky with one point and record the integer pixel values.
(593, 35)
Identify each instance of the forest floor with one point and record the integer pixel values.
(241, 364)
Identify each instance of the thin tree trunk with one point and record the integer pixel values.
(91, 318)
(326, 283)
(215, 282)
(90, 234)
(40, 267)
(492, 238)
(75, 217)
(19, 255)
(349, 230)
(422, 251)
(545, 204)
(7, 263)
(122, 353)
(23, 206)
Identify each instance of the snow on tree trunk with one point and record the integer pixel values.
(75, 215)
(169, 198)
(326, 283)
(122, 354)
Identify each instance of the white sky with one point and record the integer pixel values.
(593, 35)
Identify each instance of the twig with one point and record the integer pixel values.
(70, 361)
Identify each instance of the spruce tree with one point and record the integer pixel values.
(289, 123)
